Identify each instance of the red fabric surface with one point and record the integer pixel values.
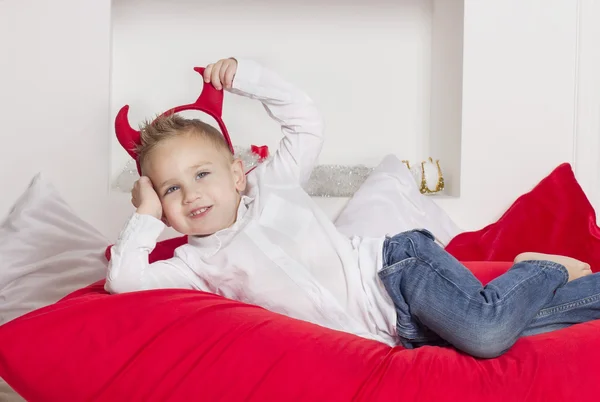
(181, 345)
(555, 217)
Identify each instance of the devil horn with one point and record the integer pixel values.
(210, 98)
(127, 136)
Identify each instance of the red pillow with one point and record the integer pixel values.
(555, 217)
(182, 345)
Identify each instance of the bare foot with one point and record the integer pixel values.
(576, 268)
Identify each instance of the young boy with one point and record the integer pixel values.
(261, 239)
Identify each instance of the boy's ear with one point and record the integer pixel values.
(165, 221)
(239, 177)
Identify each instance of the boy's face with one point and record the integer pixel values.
(198, 184)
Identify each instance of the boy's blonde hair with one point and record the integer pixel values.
(154, 132)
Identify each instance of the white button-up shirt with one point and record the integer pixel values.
(283, 253)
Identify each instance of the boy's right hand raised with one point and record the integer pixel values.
(145, 199)
(221, 73)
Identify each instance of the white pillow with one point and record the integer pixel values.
(389, 202)
(7, 394)
(46, 252)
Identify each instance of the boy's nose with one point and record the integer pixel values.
(191, 196)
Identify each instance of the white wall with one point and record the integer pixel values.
(587, 119)
(445, 139)
(516, 98)
(518, 102)
(54, 91)
(366, 64)
(518, 89)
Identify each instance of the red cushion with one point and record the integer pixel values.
(181, 345)
(555, 217)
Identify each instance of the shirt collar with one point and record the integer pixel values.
(211, 244)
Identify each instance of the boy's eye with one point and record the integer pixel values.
(201, 175)
(171, 189)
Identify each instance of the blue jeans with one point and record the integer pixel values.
(440, 302)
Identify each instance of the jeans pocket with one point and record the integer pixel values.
(426, 233)
(395, 268)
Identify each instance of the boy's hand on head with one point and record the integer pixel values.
(221, 73)
(145, 199)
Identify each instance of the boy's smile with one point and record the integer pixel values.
(200, 183)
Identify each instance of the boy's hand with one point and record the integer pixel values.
(145, 199)
(221, 73)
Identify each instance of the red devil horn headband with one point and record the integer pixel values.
(210, 102)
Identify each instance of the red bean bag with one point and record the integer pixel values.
(181, 345)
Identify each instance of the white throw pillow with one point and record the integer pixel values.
(46, 252)
(7, 394)
(389, 202)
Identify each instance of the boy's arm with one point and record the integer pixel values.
(298, 116)
(129, 269)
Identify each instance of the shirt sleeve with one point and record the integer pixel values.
(129, 269)
(295, 112)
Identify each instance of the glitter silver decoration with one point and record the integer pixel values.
(325, 180)
(336, 180)
(127, 177)
(249, 158)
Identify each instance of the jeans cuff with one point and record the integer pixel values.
(544, 264)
